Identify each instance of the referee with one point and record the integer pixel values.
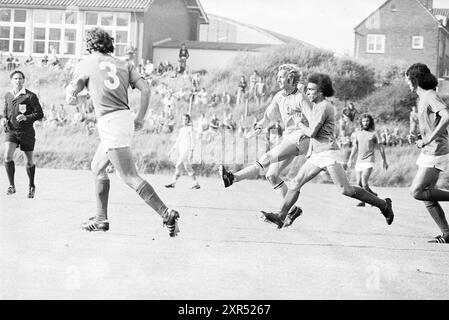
(21, 109)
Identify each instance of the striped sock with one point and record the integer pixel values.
(281, 189)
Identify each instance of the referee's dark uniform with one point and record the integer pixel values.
(22, 133)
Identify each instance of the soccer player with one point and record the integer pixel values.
(22, 109)
(433, 115)
(323, 154)
(184, 144)
(107, 78)
(288, 104)
(365, 141)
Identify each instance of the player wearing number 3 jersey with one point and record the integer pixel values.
(107, 79)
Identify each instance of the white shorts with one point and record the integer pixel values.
(326, 158)
(293, 138)
(116, 129)
(437, 162)
(362, 166)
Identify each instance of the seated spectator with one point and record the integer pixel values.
(202, 97)
(10, 64)
(78, 117)
(29, 61)
(54, 62)
(229, 123)
(44, 61)
(214, 123)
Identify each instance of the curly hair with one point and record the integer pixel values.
(324, 83)
(293, 72)
(420, 75)
(99, 40)
(371, 125)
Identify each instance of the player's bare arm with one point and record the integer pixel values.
(145, 94)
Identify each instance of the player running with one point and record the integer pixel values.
(323, 154)
(365, 141)
(433, 116)
(22, 109)
(107, 78)
(184, 144)
(289, 104)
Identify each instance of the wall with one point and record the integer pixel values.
(410, 19)
(166, 19)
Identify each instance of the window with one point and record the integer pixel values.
(18, 44)
(116, 24)
(12, 30)
(55, 17)
(5, 15)
(69, 46)
(375, 43)
(4, 38)
(417, 42)
(71, 18)
(39, 40)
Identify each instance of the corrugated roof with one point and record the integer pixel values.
(135, 5)
(212, 45)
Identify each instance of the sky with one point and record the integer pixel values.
(327, 24)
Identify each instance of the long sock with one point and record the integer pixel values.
(248, 172)
(175, 178)
(31, 172)
(147, 193)
(281, 189)
(438, 216)
(365, 196)
(10, 171)
(102, 193)
(433, 195)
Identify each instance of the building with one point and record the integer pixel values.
(42, 27)
(220, 41)
(405, 32)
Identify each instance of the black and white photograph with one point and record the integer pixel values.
(253, 151)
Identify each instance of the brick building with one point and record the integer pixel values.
(42, 27)
(405, 32)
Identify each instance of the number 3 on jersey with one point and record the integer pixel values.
(112, 74)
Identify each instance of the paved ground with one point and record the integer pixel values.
(224, 251)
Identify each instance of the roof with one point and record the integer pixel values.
(280, 37)
(195, 6)
(204, 45)
(386, 2)
(126, 5)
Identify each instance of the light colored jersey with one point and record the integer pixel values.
(185, 142)
(366, 142)
(291, 109)
(323, 115)
(107, 79)
(428, 107)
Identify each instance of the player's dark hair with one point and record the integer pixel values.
(99, 40)
(324, 83)
(371, 125)
(16, 72)
(420, 75)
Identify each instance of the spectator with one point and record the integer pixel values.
(169, 104)
(160, 68)
(260, 91)
(148, 68)
(214, 123)
(241, 91)
(253, 80)
(54, 62)
(202, 125)
(202, 97)
(78, 117)
(229, 123)
(183, 52)
(226, 98)
(29, 61)
(44, 61)
(62, 116)
(350, 112)
(10, 65)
